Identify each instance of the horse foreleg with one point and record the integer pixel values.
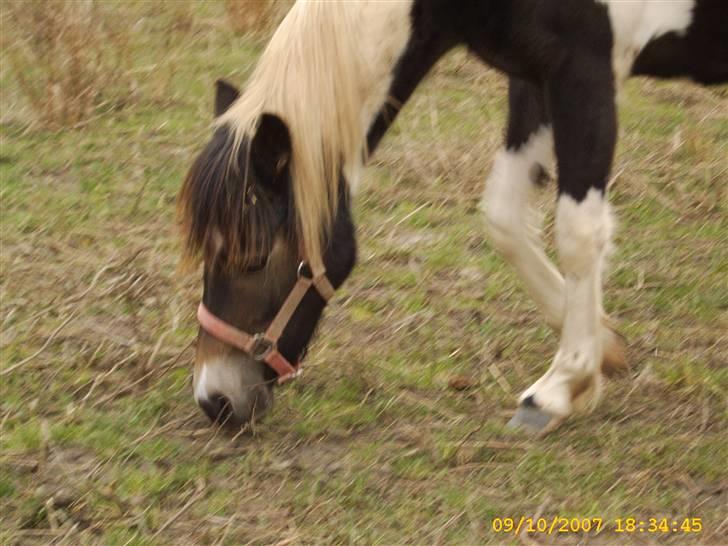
(584, 139)
(513, 222)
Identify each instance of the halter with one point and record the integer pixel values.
(263, 347)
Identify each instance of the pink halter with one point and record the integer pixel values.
(264, 346)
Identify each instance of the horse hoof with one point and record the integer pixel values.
(531, 419)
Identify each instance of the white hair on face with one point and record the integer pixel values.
(319, 73)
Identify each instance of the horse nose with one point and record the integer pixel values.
(232, 392)
(217, 408)
(237, 410)
(231, 403)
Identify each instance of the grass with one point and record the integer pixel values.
(100, 440)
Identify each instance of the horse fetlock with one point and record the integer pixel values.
(551, 394)
(573, 383)
(585, 394)
(577, 362)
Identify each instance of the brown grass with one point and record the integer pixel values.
(64, 55)
(255, 17)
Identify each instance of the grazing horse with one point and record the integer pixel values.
(267, 202)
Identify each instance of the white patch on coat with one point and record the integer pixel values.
(385, 31)
(218, 377)
(201, 388)
(583, 232)
(636, 22)
(515, 225)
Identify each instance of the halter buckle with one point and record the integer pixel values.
(262, 347)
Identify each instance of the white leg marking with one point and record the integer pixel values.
(515, 225)
(583, 232)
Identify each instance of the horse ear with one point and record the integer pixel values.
(270, 150)
(225, 94)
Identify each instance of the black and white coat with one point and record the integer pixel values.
(350, 66)
(566, 60)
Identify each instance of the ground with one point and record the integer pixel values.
(395, 433)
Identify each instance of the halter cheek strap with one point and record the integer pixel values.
(264, 347)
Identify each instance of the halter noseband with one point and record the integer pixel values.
(263, 347)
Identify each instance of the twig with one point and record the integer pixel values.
(179, 512)
(103, 376)
(226, 530)
(43, 348)
(444, 526)
(129, 387)
(500, 378)
(139, 440)
(287, 541)
(155, 351)
(465, 438)
(70, 531)
(78, 297)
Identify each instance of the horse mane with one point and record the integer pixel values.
(310, 76)
(216, 209)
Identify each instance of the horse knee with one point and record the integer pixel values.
(583, 231)
(505, 233)
(506, 200)
(505, 204)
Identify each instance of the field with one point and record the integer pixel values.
(101, 441)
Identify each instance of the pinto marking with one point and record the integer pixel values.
(635, 23)
(325, 73)
(332, 81)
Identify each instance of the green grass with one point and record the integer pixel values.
(371, 445)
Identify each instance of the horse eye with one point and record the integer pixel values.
(256, 266)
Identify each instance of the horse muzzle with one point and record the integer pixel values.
(232, 393)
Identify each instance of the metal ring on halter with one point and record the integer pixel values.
(262, 347)
(303, 267)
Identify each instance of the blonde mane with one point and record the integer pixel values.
(310, 76)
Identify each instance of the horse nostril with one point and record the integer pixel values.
(218, 408)
(226, 409)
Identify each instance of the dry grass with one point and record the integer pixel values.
(67, 58)
(255, 17)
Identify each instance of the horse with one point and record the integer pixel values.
(266, 205)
